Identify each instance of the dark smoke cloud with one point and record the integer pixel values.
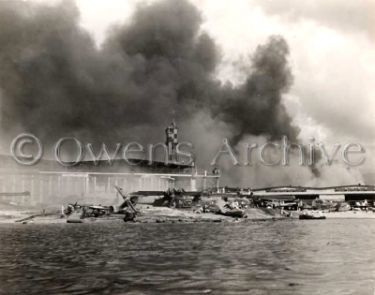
(256, 107)
(55, 82)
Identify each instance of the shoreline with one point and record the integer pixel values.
(150, 214)
(350, 215)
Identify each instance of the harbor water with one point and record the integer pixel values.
(268, 257)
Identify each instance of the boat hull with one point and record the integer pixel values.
(310, 217)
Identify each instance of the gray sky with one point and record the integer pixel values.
(332, 54)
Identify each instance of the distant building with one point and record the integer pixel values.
(332, 193)
(50, 182)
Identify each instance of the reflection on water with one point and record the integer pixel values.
(283, 257)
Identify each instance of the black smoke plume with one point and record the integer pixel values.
(54, 81)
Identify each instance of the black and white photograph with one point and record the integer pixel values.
(187, 147)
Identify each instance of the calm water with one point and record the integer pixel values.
(283, 257)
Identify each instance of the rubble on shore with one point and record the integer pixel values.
(147, 214)
(152, 214)
(172, 206)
